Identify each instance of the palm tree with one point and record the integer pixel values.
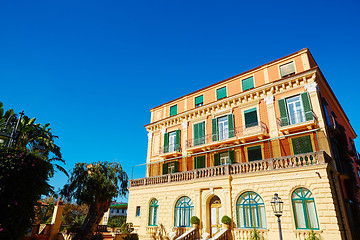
(95, 185)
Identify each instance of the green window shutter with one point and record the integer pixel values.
(165, 168)
(214, 129)
(307, 106)
(302, 144)
(232, 156)
(201, 133)
(173, 110)
(284, 118)
(251, 117)
(216, 159)
(177, 146)
(166, 142)
(199, 162)
(221, 93)
(196, 134)
(254, 153)
(247, 83)
(199, 100)
(176, 166)
(231, 125)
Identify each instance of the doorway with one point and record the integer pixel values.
(215, 215)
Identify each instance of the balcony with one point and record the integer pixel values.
(293, 161)
(254, 130)
(297, 121)
(170, 150)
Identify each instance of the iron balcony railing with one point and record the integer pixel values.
(257, 127)
(296, 118)
(170, 148)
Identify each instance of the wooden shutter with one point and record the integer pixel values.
(173, 110)
(247, 83)
(199, 162)
(232, 156)
(214, 129)
(199, 100)
(201, 133)
(196, 134)
(307, 106)
(231, 125)
(251, 117)
(166, 142)
(254, 153)
(221, 93)
(284, 118)
(216, 159)
(302, 144)
(165, 168)
(176, 166)
(177, 139)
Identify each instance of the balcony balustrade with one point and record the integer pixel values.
(297, 118)
(237, 132)
(171, 148)
(293, 161)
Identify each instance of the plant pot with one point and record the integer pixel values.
(226, 226)
(195, 225)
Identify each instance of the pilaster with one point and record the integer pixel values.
(273, 127)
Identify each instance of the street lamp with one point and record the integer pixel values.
(277, 206)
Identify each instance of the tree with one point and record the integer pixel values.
(95, 185)
(72, 212)
(116, 221)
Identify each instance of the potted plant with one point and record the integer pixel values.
(195, 221)
(226, 221)
(312, 236)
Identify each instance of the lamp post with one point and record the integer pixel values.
(277, 206)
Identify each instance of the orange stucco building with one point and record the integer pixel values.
(227, 148)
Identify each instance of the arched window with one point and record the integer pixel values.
(153, 212)
(184, 210)
(304, 209)
(250, 210)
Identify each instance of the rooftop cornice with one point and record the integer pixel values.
(257, 93)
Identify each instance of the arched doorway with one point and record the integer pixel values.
(215, 215)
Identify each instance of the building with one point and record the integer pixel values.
(228, 148)
(116, 209)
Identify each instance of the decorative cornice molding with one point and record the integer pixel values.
(240, 99)
(269, 100)
(149, 135)
(311, 87)
(184, 125)
(163, 131)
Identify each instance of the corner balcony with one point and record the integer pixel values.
(297, 121)
(257, 130)
(170, 150)
(292, 161)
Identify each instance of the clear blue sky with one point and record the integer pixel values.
(93, 69)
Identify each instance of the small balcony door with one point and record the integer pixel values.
(172, 141)
(215, 215)
(295, 108)
(223, 128)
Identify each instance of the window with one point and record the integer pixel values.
(295, 109)
(199, 133)
(223, 127)
(221, 93)
(254, 153)
(251, 118)
(250, 210)
(224, 158)
(170, 167)
(326, 112)
(287, 69)
(117, 210)
(199, 101)
(153, 212)
(137, 211)
(304, 209)
(172, 141)
(184, 210)
(302, 144)
(173, 110)
(247, 83)
(199, 162)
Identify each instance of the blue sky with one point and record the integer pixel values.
(93, 69)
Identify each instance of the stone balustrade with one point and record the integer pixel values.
(245, 234)
(293, 161)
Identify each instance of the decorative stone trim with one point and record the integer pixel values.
(243, 98)
(184, 125)
(269, 100)
(163, 131)
(149, 135)
(311, 87)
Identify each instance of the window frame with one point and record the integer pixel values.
(184, 205)
(171, 110)
(300, 136)
(245, 111)
(242, 83)
(137, 211)
(252, 146)
(281, 65)
(199, 104)
(204, 134)
(217, 93)
(259, 202)
(153, 215)
(303, 200)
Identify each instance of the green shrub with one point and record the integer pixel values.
(194, 220)
(116, 221)
(256, 236)
(226, 220)
(312, 236)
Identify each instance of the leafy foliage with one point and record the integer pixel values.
(73, 213)
(43, 214)
(23, 179)
(312, 236)
(255, 235)
(226, 220)
(116, 221)
(95, 185)
(194, 220)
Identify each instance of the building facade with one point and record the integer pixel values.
(116, 209)
(227, 148)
